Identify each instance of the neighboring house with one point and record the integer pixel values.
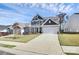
(3, 30)
(72, 24)
(45, 24)
(20, 28)
(10, 29)
(16, 28)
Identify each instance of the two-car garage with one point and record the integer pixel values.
(50, 29)
(50, 26)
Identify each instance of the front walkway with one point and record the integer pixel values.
(44, 44)
(71, 49)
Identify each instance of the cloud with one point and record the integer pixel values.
(25, 11)
(9, 17)
(54, 7)
(51, 7)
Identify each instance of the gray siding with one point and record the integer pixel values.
(73, 24)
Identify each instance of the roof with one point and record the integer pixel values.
(22, 25)
(37, 17)
(76, 13)
(2, 27)
(54, 23)
(54, 19)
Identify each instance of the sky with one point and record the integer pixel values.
(24, 12)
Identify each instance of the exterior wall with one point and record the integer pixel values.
(73, 24)
(36, 29)
(10, 31)
(36, 23)
(32, 30)
(26, 30)
(22, 31)
(16, 31)
(3, 33)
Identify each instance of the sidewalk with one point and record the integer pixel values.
(11, 43)
(8, 51)
(71, 49)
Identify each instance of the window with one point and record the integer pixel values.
(49, 21)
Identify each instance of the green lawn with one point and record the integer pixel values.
(7, 46)
(71, 53)
(20, 38)
(69, 39)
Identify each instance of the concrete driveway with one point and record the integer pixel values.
(43, 44)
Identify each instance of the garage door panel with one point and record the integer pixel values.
(50, 30)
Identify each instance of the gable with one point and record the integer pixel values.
(50, 22)
(37, 17)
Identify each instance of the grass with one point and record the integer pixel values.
(7, 46)
(69, 39)
(20, 38)
(71, 54)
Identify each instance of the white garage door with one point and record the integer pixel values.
(50, 30)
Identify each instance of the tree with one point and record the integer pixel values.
(61, 18)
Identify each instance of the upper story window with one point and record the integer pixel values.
(49, 21)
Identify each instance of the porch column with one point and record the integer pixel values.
(13, 31)
(29, 29)
(22, 30)
(38, 29)
(34, 29)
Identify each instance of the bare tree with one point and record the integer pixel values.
(61, 18)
